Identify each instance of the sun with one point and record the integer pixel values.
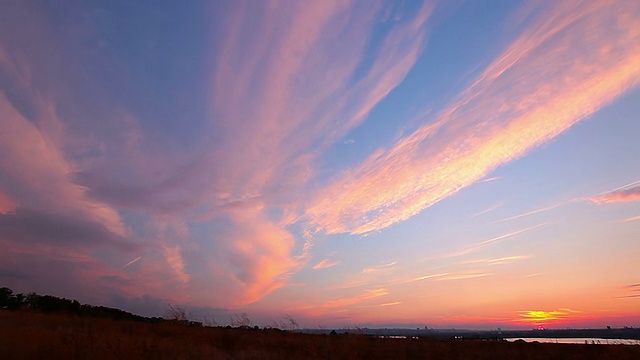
(541, 318)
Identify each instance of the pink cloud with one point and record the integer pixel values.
(531, 93)
(325, 263)
(176, 262)
(280, 113)
(6, 205)
(39, 175)
(624, 195)
(260, 255)
(284, 92)
(132, 262)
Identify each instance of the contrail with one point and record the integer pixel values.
(492, 240)
(132, 261)
(528, 213)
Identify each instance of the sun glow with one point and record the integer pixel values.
(540, 317)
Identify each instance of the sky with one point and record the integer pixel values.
(468, 164)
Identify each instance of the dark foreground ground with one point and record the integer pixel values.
(29, 335)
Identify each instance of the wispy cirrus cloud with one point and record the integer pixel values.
(426, 277)
(463, 276)
(489, 209)
(446, 276)
(498, 261)
(285, 82)
(132, 262)
(176, 262)
(356, 299)
(377, 268)
(502, 237)
(532, 92)
(280, 100)
(36, 174)
(528, 213)
(394, 303)
(622, 195)
(290, 99)
(632, 291)
(325, 263)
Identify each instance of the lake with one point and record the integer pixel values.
(580, 341)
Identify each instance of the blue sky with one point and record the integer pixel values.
(445, 163)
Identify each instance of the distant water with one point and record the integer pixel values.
(580, 341)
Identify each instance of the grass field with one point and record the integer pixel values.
(32, 335)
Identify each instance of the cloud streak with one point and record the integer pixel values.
(325, 263)
(498, 261)
(362, 297)
(132, 262)
(531, 93)
(484, 243)
(623, 195)
(383, 267)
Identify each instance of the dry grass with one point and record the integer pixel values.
(29, 335)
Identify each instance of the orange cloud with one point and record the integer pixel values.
(260, 254)
(530, 94)
(390, 304)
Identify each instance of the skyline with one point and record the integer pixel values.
(470, 164)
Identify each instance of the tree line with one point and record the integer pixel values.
(173, 314)
(52, 304)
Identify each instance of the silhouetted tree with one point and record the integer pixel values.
(50, 304)
(177, 314)
(6, 298)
